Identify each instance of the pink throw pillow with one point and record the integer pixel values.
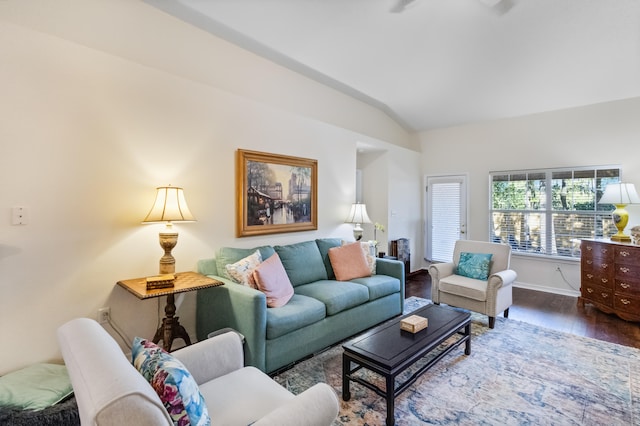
(272, 280)
(348, 262)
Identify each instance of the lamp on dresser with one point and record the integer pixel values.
(170, 206)
(620, 195)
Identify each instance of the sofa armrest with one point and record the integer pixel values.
(212, 358)
(392, 268)
(239, 307)
(317, 406)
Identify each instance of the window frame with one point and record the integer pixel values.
(580, 222)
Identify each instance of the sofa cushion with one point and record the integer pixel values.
(324, 244)
(465, 287)
(474, 265)
(227, 255)
(173, 383)
(348, 262)
(337, 296)
(299, 312)
(242, 270)
(271, 279)
(379, 285)
(303, 262)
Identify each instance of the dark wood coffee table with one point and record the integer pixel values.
(388, 350)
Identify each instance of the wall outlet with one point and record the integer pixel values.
(104, 315)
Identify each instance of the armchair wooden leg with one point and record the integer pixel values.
(506, 313)
(492, 322)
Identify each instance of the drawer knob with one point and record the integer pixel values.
(589, 248)
(605, 265)
(604, 295)
(589, 262)
(589, 276)
(625, 301)
(624, 253)
(605, 280)
(624, 270)
(604, 251)
(589, 290)
(625, 285)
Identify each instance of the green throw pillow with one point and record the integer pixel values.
(35, 387)
(474, 265)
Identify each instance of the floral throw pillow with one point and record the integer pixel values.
(474, 265)
(173, 383)
(242, 270)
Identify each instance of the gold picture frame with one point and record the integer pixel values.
(275, 193)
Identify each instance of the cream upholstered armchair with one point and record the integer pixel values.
(486, 288)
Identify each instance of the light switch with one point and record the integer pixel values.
(19, 216)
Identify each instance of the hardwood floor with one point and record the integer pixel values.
(551, 311)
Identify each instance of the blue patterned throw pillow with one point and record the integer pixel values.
(474, 265)
(173, 383)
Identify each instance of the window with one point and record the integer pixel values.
(547, 212)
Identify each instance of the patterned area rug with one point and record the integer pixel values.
(517, 374)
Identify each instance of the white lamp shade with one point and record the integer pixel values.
(169, 206)
(358, 214)
(620, 193)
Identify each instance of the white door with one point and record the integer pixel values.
(446, 218)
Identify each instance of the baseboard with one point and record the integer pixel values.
(554, 290)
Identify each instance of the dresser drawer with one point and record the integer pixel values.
(599, 278)
(596, 250)
(627, 286)
(598, 294)
(629, 255)
(626, 270)
(627, 304)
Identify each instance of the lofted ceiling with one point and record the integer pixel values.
(440, 63)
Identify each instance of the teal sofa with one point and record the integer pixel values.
(322, 311)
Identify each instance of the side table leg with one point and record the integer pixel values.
(346, 370)
(170, 328)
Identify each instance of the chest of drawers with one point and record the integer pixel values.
(610, 277)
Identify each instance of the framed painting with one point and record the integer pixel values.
(275, 193)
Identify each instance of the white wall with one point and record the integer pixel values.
(87, 135)
(599, 134)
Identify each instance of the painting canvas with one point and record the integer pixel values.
(275, 193)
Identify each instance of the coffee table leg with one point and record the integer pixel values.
(467, 344)
(390, 391)
(346, 367)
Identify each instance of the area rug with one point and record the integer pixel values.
(517, 374)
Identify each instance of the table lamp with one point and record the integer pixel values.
(169, 206)
(357, 216)
(620, 194)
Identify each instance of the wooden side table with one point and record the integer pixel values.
(171, 328)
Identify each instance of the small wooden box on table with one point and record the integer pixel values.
(171, 328)
(610, 277)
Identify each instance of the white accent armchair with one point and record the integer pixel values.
(110, 391)
(490, 297)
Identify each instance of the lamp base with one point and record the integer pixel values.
(167, 262)
(621, 238)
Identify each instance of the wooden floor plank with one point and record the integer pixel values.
(553, 311)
